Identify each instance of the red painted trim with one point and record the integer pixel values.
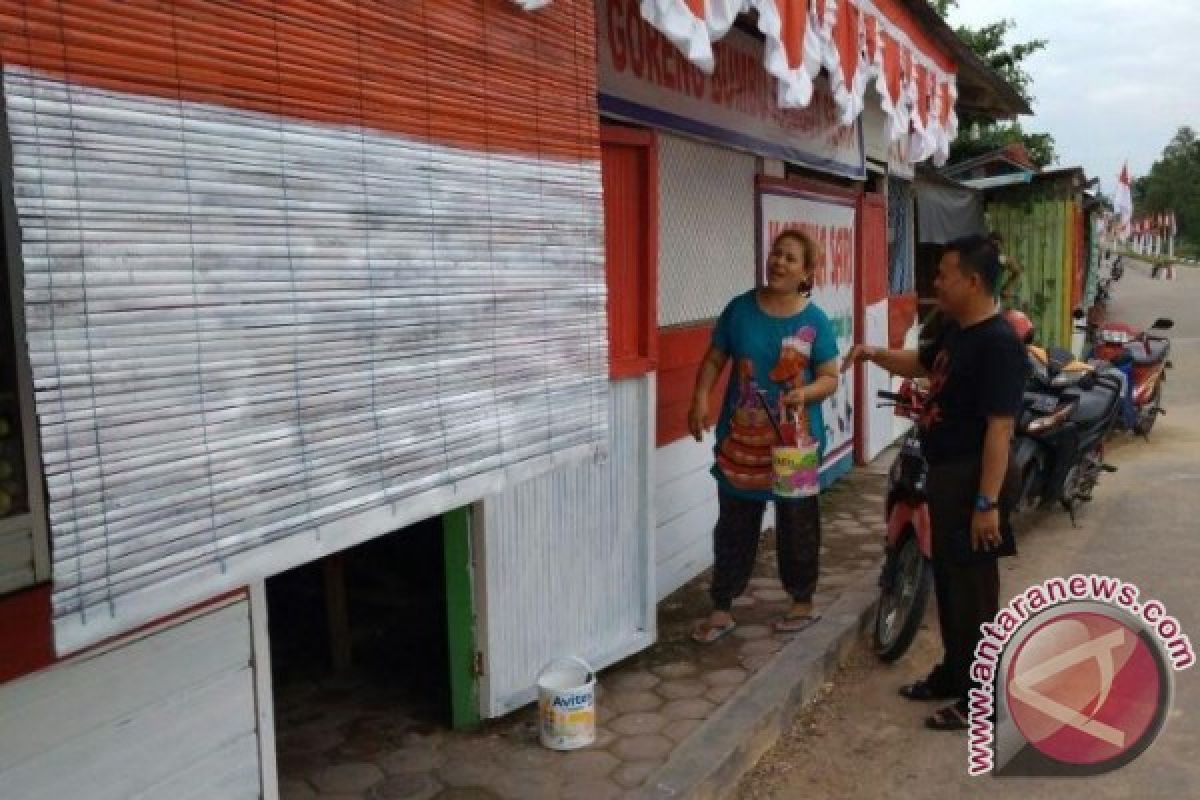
(681, 351)
(26, 640)
(27, 631)
(800, 187)
(869, 288)
(902, 313)
(860, 370)
(643, 295)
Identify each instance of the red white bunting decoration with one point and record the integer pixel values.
(851, 40)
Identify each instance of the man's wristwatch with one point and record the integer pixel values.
(985, 503)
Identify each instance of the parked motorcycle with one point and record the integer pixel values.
(1143, 357)
(1069, 409)
(907, 577)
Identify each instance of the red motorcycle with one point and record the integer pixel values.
(906, 580)
(1144, 358)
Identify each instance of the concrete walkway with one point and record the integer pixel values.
(677, 720)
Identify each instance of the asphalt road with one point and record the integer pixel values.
(862, 740)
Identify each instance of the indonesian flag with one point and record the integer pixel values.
(1123, 202)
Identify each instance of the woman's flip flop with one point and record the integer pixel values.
(707, 633)
(800, 622)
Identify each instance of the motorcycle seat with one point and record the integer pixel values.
(1099, 402)
(1149, 352)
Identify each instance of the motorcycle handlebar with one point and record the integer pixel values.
(893, 397)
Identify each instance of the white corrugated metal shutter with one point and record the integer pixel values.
(706, 228)
(258, 337)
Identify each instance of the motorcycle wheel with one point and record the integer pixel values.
(1146, 419)
(901, 606)
(1030, 499)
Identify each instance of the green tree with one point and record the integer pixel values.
(1173, 184)
(979, 135)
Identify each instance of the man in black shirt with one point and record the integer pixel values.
(976, 369)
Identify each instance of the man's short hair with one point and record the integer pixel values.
(977, 255)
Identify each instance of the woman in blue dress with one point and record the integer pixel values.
(783, 349)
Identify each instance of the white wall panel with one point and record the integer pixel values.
(171, 715)
(567, 559)
(685, 513)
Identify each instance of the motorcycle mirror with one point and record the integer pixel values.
(1162, 324)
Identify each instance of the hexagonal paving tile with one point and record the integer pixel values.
(751, 631)
(637, 681)
(679, 669)
(763, 647)
(643, 748)
(629, 702)
(871, 547)
(720, 694)
(638, 724)
(463, 773)
(588, 764)
(726, 677)
(772, 595)
(309, 739)
(532, 757)
(755, 663)
(528, 785)
(604, 737)
(411, 759)
(602, 789)
(347, 778)
(680, 729)
(469, 793)
(405, 787)
(693, 708)
(682, 689)
(763, 583)
(635, 773)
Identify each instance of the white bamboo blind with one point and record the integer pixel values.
(259, 337)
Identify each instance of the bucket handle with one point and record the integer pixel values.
(591, 672)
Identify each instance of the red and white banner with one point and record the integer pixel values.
(643, 78)
(853, 41)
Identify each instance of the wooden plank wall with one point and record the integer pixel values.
(169, 715)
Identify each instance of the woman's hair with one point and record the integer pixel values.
(812, 252)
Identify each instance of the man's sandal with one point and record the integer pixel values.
(795, 624)
(923, 691)
(948, 718)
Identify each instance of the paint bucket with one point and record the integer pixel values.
(567, 704)
(796, 470)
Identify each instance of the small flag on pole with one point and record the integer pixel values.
(1123, 202)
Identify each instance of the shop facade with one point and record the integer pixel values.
(287, 282)
(871, 94)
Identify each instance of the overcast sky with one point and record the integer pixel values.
(1117, 77)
